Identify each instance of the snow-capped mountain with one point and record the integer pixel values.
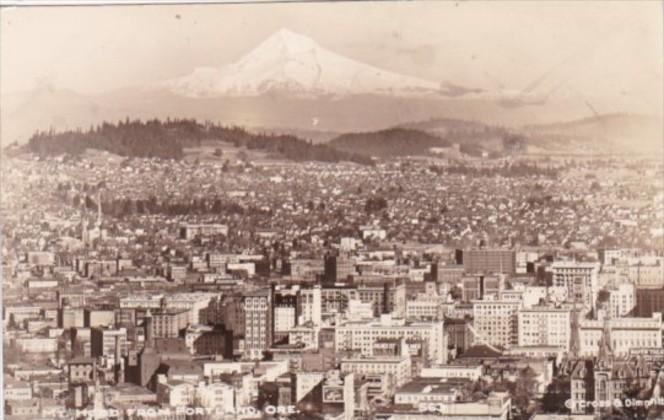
(295, 64)
(291, 81)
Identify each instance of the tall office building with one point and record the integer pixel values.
(622, 299)
(489, 261)
(258, 325)
(544, 326)
(496, 322)
(580, 279)
(103, 341)
(285, 314)
(309, 306)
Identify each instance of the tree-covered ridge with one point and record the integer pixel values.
(387, 143)
(167, 139)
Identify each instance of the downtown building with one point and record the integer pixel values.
(338, 269)
(363, 335)
(648, 302)
(622, 299)
(309, 306)
(168, 323)
(544, 326)
(479, 287)
(495, 322)
(285, 313)
(627, 334)
(397, 368)
(103, 341)
(194, 303)
(485, 260)
(647, 275)
(579, 279)
(258, 322)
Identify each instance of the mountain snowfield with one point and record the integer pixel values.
(296, 64)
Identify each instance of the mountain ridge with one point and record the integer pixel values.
(615, 132)
(295, 63)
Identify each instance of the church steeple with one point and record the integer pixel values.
(605, 354)
(85, 221)
(99, 212)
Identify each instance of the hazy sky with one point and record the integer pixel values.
(610, 51)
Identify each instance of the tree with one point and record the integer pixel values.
(375, 204)
(634, 392)
(456, 292)
(557, 392)
(168, 139)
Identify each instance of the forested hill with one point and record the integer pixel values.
(167, 139)
(387, 143)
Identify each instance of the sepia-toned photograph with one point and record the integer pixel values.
(333, 210)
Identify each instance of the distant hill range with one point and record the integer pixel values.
(605, 134)
(602, 134)
(419, 138)
(610, 133)
(446, 126)
(473, 137)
